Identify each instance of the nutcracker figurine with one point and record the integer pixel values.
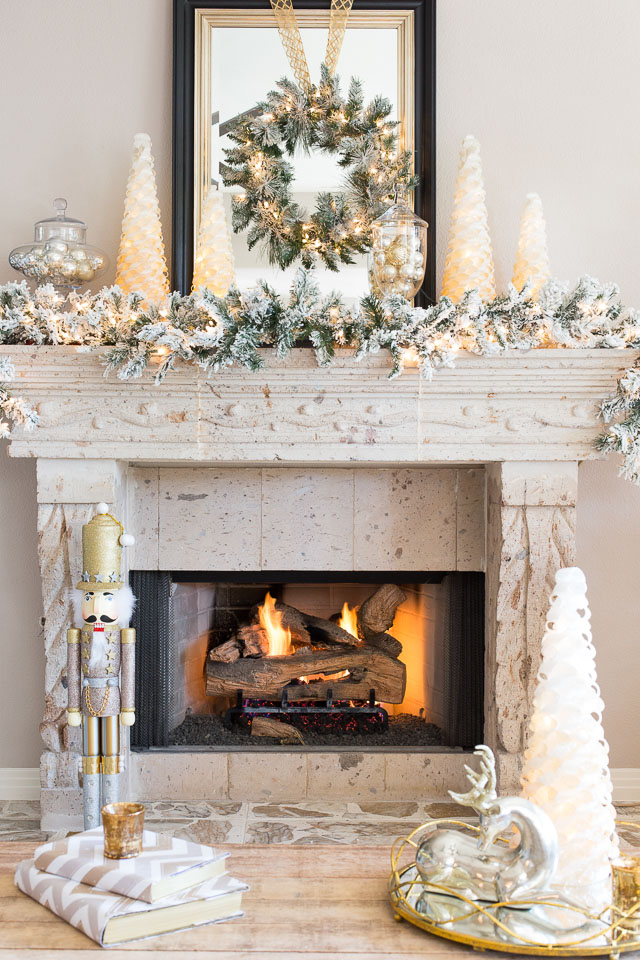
(101, 661)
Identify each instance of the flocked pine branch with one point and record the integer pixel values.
(13, 410)
(215, 332)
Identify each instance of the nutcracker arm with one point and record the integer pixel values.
(128, 675)
(73, 677)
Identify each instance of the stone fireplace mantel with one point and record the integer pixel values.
(539, 405)
(504, 436)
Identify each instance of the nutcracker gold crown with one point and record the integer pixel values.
(101, 554)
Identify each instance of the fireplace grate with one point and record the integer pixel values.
(328, 716)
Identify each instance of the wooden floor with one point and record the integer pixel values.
(307, 902)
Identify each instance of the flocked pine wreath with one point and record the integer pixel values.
(363, 139)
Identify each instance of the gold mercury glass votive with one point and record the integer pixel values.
(626, 891)
(122, 824)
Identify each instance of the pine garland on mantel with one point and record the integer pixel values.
(215, 332)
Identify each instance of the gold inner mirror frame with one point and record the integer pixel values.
(402, 21)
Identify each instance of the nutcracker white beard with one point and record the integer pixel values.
(126, 606)
(98, 649)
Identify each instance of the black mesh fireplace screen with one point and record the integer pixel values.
(464, 659)
(154, 653)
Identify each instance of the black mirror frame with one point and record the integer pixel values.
(183, 123)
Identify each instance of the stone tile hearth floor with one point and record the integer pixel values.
(348, 822)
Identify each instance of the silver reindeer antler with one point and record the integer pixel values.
(482, 796)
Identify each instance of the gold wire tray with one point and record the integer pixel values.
(491, 926)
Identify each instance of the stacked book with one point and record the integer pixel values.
(173, 885)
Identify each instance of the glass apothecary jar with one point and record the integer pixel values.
(59, 253)
(398, 255)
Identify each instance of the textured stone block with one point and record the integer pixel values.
(61, 809)
(267, 776)
(405, 519)
(537, 484)
(470, 519)
(210, 519)
(345, 776)
(200, 775)
(77, 481)
(423, 776)
(59, 770)
(142, 504)
(307, 519)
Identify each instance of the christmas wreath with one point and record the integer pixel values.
(365, 142)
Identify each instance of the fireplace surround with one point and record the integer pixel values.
(473, 471)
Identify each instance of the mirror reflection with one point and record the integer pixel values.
(245, 63)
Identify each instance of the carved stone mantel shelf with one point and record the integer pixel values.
(537, 405)
(529, 418)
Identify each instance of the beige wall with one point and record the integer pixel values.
(550, 90)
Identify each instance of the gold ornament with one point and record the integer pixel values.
(214, 265)
(532, 259)
(469, 261)
(142, 267)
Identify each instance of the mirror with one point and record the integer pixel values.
(237, 58)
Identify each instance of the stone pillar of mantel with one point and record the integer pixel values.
(531, 525)
(68, 491)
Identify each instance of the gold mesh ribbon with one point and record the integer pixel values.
(292, 40)
(340, 10)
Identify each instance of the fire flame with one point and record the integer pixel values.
(349, 619)
(349, 622)
(279, 636)
(271, 621)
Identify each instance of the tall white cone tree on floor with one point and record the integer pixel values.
(566, 766)
(469, 261)
(214, 267)
(532, 259)
(141, 262)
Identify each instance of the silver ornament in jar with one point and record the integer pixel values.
(59, 253)
(398, 254)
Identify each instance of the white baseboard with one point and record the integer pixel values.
(19, 783)
(626, 784)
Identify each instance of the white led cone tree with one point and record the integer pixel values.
(469, 261)
(532, 258)
(142, 267)
(214, 265)
(566, 765)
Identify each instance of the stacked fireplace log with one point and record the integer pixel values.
(325, 658)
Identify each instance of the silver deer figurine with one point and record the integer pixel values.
(481, 868)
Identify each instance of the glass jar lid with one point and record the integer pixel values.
(60, 227)
(399, 212)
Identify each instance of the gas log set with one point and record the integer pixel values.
(332, 674)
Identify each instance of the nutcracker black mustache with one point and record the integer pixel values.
(103, 618)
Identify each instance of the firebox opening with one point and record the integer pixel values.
(348, 659)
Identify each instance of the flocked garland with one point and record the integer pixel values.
(365, 143)
(213, 332)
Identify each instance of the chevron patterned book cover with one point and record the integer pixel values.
(109, 918)
(165, 866)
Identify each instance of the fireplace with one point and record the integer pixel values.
(474, 472)
(366, 659)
